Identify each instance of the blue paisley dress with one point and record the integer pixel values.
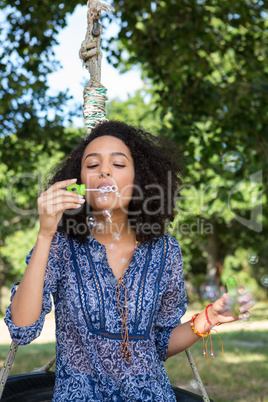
(88, 324)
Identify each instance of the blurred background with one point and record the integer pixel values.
(192, 70)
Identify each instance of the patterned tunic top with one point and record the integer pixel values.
(88, 324)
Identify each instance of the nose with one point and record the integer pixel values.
(105, 168)
(105, 175)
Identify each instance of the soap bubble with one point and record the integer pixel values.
(253, 258)
(232, 161)
(116, 236)
(103, 197)
(123, 260)
(194, 384)
(264, 280)
(113, 280)
(90, 221)
(111, 247)
(209, 292)
(99, 227)
(108, 215)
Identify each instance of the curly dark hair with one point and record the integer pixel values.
(157, 165)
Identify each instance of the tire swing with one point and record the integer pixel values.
(39, 385)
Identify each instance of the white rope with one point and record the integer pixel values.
(90, 52)
(197, 376)
(7, 366)
(94, 106)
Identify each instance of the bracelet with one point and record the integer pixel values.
(206, 313)
(193, 328)
(208, 320)
(205, 351)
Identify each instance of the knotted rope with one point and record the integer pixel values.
(90, 52)
(94, 106)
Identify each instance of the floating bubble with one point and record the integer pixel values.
(99, 227)
(90, 220)
(232, 161)
(112, 247)
(113, 280)
(246, 322)
(104, 197)
(264, 280)
(123, 260)
(194, 384)
(209, 292)
(108, 215)
(253, 258)
(116, 236)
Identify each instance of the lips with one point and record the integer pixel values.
(105, 184)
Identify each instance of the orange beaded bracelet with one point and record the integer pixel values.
(205, 352)
(193, 328)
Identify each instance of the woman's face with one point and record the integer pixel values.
(107, 161)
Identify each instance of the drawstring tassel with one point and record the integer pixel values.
(123, 311)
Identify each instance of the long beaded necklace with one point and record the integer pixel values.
(123, 311)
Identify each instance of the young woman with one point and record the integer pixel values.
(115, 276)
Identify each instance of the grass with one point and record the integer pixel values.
(29, 357)
(240, 374)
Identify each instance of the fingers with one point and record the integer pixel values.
(61, 184)
(247, 301)
(56, 199)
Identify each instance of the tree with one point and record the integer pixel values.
(26, 58)
(23, 170)
(207, 61)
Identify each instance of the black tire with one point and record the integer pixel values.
(39, 387)
(29, 387)
(182, 395)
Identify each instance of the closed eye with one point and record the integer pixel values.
(118, 165)
(92, 166)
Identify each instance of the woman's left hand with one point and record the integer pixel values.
(221, 311)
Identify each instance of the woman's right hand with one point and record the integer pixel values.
(53, 202)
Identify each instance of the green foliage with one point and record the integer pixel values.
(138, 110)
(26, 58)
(17, 246)
(23, 170)
(207, 64)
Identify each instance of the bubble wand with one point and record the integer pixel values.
(232, 290)
(81, 189)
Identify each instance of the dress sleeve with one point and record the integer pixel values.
(173, 305)
(25, 335)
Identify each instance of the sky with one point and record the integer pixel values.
(73, 75)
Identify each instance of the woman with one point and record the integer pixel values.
(115, 277)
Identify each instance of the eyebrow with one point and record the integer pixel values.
(111, 154)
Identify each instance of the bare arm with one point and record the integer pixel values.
(27, 303)
(182, 337)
